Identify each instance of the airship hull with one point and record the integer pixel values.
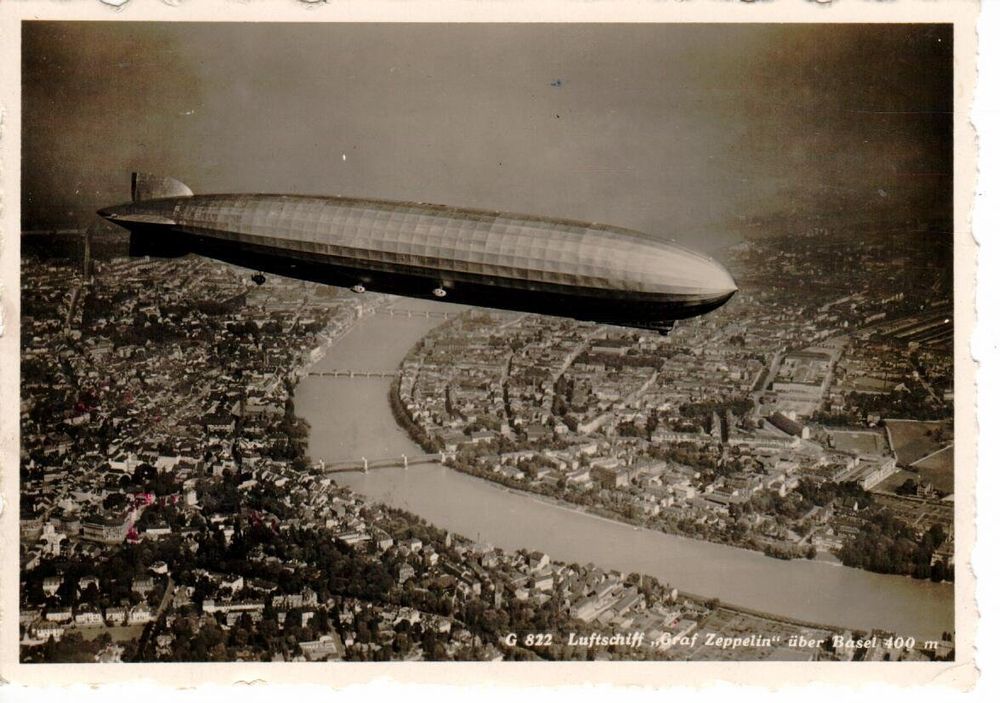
(489, 259)
(606, 306)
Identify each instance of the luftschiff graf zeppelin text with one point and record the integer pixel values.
(709, 639)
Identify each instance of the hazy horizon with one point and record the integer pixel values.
(686, 131)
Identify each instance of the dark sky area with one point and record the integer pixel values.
(689, 131)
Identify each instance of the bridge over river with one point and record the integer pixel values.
(364, 464)
(353, 419)
(420, 314)
(352, 373)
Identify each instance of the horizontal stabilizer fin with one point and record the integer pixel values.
(146, 186)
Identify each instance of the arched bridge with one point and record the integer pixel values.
(395, 312)
(365, 464)
(349, 373)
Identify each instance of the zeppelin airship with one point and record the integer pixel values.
(559, 267)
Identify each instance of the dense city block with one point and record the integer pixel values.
(169, 510)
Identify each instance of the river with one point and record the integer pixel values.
(351, 418)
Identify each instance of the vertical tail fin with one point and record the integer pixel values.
(146, 186)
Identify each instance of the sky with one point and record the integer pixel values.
(692, 132)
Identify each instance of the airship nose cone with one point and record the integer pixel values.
(719, 285)
(721, 280)
(716, 284)
(690, 281)
(695, 273)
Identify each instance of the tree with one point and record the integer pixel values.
(364, 634)
(907, 488)
(143, 473)
(114, 501)
(402, 643)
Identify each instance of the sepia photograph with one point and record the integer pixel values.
(497, 342)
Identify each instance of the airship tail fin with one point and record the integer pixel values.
(151, 233)
(146, 186)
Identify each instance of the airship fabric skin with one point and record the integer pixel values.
(483, 258)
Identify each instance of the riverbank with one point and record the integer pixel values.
(416, 434)
(352, 418)
(763, 519)
(566, 500)
(706, 601)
